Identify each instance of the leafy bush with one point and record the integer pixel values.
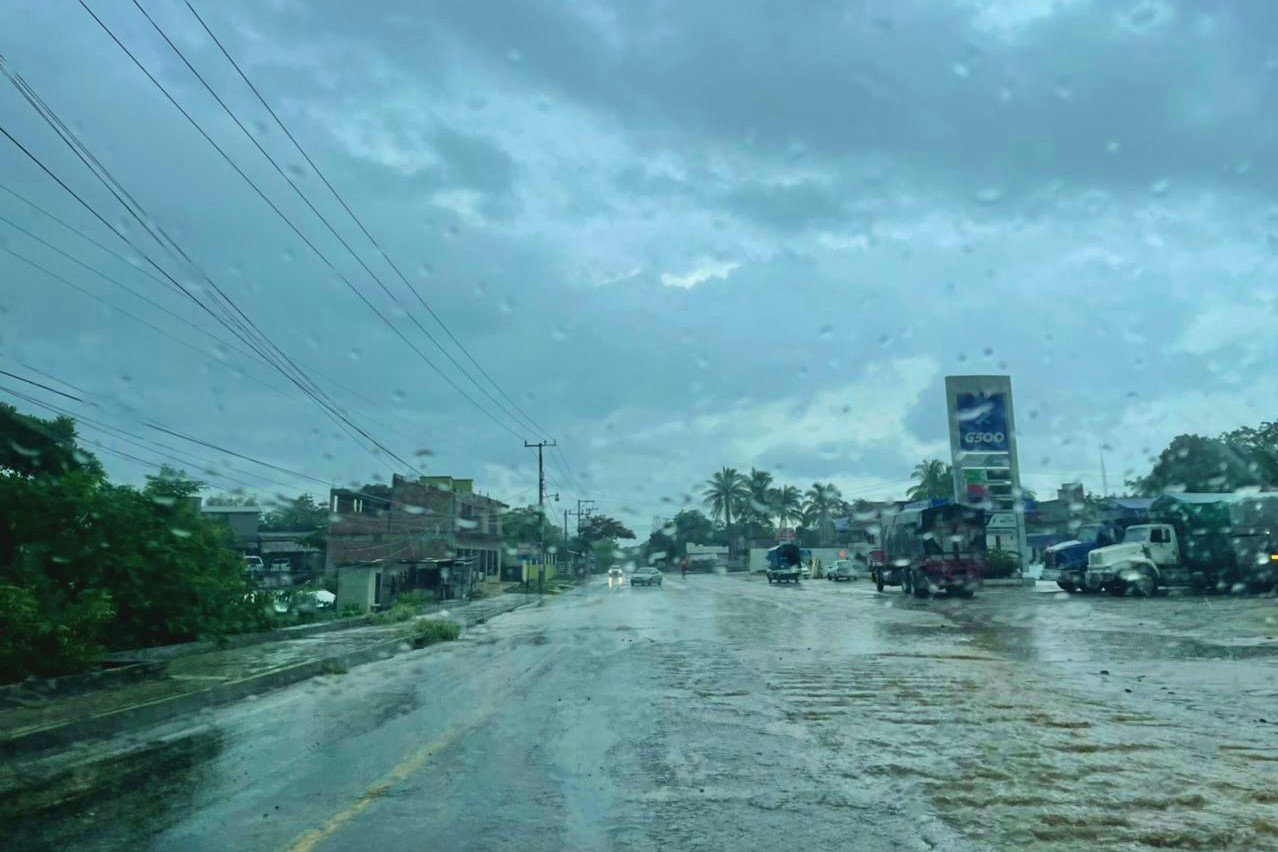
(394, 615)
(429, 631)
(49, 644)
(1000, 564)
(415, 598)
(88, 566)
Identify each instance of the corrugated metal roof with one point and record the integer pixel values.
(1132, 502)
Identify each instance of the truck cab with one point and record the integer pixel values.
(1141, 563)
(1066, 561)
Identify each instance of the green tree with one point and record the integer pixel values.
(688, 527)
(87, 566)
(230, 500)
(759, 507)
(725, 493)
(32, 446)
(601, 527)
(787, 502)
(526, 525)
(300, 513)
(935, 480)
(171, 486)
(1258, 447)
(1197, 463)
(821, 503)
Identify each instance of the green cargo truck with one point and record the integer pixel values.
(1225, 542)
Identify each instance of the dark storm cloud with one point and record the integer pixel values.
(685, 235)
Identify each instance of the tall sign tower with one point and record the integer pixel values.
(983, 456)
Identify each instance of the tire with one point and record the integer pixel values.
(966, 594)
(1145, 585)
(878, 581)
(1067, 587)
(907, 583)
(919, 591)
(1117, 588)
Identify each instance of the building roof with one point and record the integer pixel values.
(1137, 503)
(230, 510)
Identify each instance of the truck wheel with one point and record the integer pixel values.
(1117, 588)
(1068, 587)
(920, 589)
(963, 593)
(906, 585)
(1144, 585)
(878, 582)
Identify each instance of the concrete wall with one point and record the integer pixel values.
(355, 586)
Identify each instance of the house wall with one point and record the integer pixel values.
(355, 585)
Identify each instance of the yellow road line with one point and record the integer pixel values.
(400, 772)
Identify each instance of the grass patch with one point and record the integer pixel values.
(429, 631)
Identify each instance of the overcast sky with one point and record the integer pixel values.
(679, 235)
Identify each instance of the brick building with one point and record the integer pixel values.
(415, 520)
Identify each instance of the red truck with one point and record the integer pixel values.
(928, 549)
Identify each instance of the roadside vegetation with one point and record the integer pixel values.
(429, 631)
(88, 566)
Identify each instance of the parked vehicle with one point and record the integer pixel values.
(1225, 542)
(646, 576)
(931, 549)
(1066, 562)
(785, 563)
(842, 569)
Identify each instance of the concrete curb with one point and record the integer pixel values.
(140, 715)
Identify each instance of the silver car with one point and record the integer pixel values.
(646, 576)
(842, 569)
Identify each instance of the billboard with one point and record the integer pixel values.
(982, 422)
(983, 450)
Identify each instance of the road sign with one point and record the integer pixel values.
(1002, 521)
(982, 422)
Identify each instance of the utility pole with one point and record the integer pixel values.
(1104, 481)
(541, 508)
(581, 514)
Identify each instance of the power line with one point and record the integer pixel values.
(254, 356)
(289, 222)
(301, 380)
(323, 219)
(342, 201)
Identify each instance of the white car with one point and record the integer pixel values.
(646, 576)
(843, 569)
(614, 572)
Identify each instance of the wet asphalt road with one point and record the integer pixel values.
(724, 713)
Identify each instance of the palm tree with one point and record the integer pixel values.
(725, 494)
(759, 507)
(935, 479)
(787, 502)
(820, 504)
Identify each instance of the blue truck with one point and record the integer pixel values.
(1066, 562)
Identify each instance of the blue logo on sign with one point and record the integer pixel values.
(982, 422)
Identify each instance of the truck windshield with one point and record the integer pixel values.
(1088, 533)
(1136, 534)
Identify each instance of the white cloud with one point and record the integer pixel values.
(1220, 325)
(703, 271)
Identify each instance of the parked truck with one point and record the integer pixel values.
(1066, 561)
(785, 563)
(932, 549)
(1222, 542)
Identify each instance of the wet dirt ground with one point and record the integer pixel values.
(725, 713)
